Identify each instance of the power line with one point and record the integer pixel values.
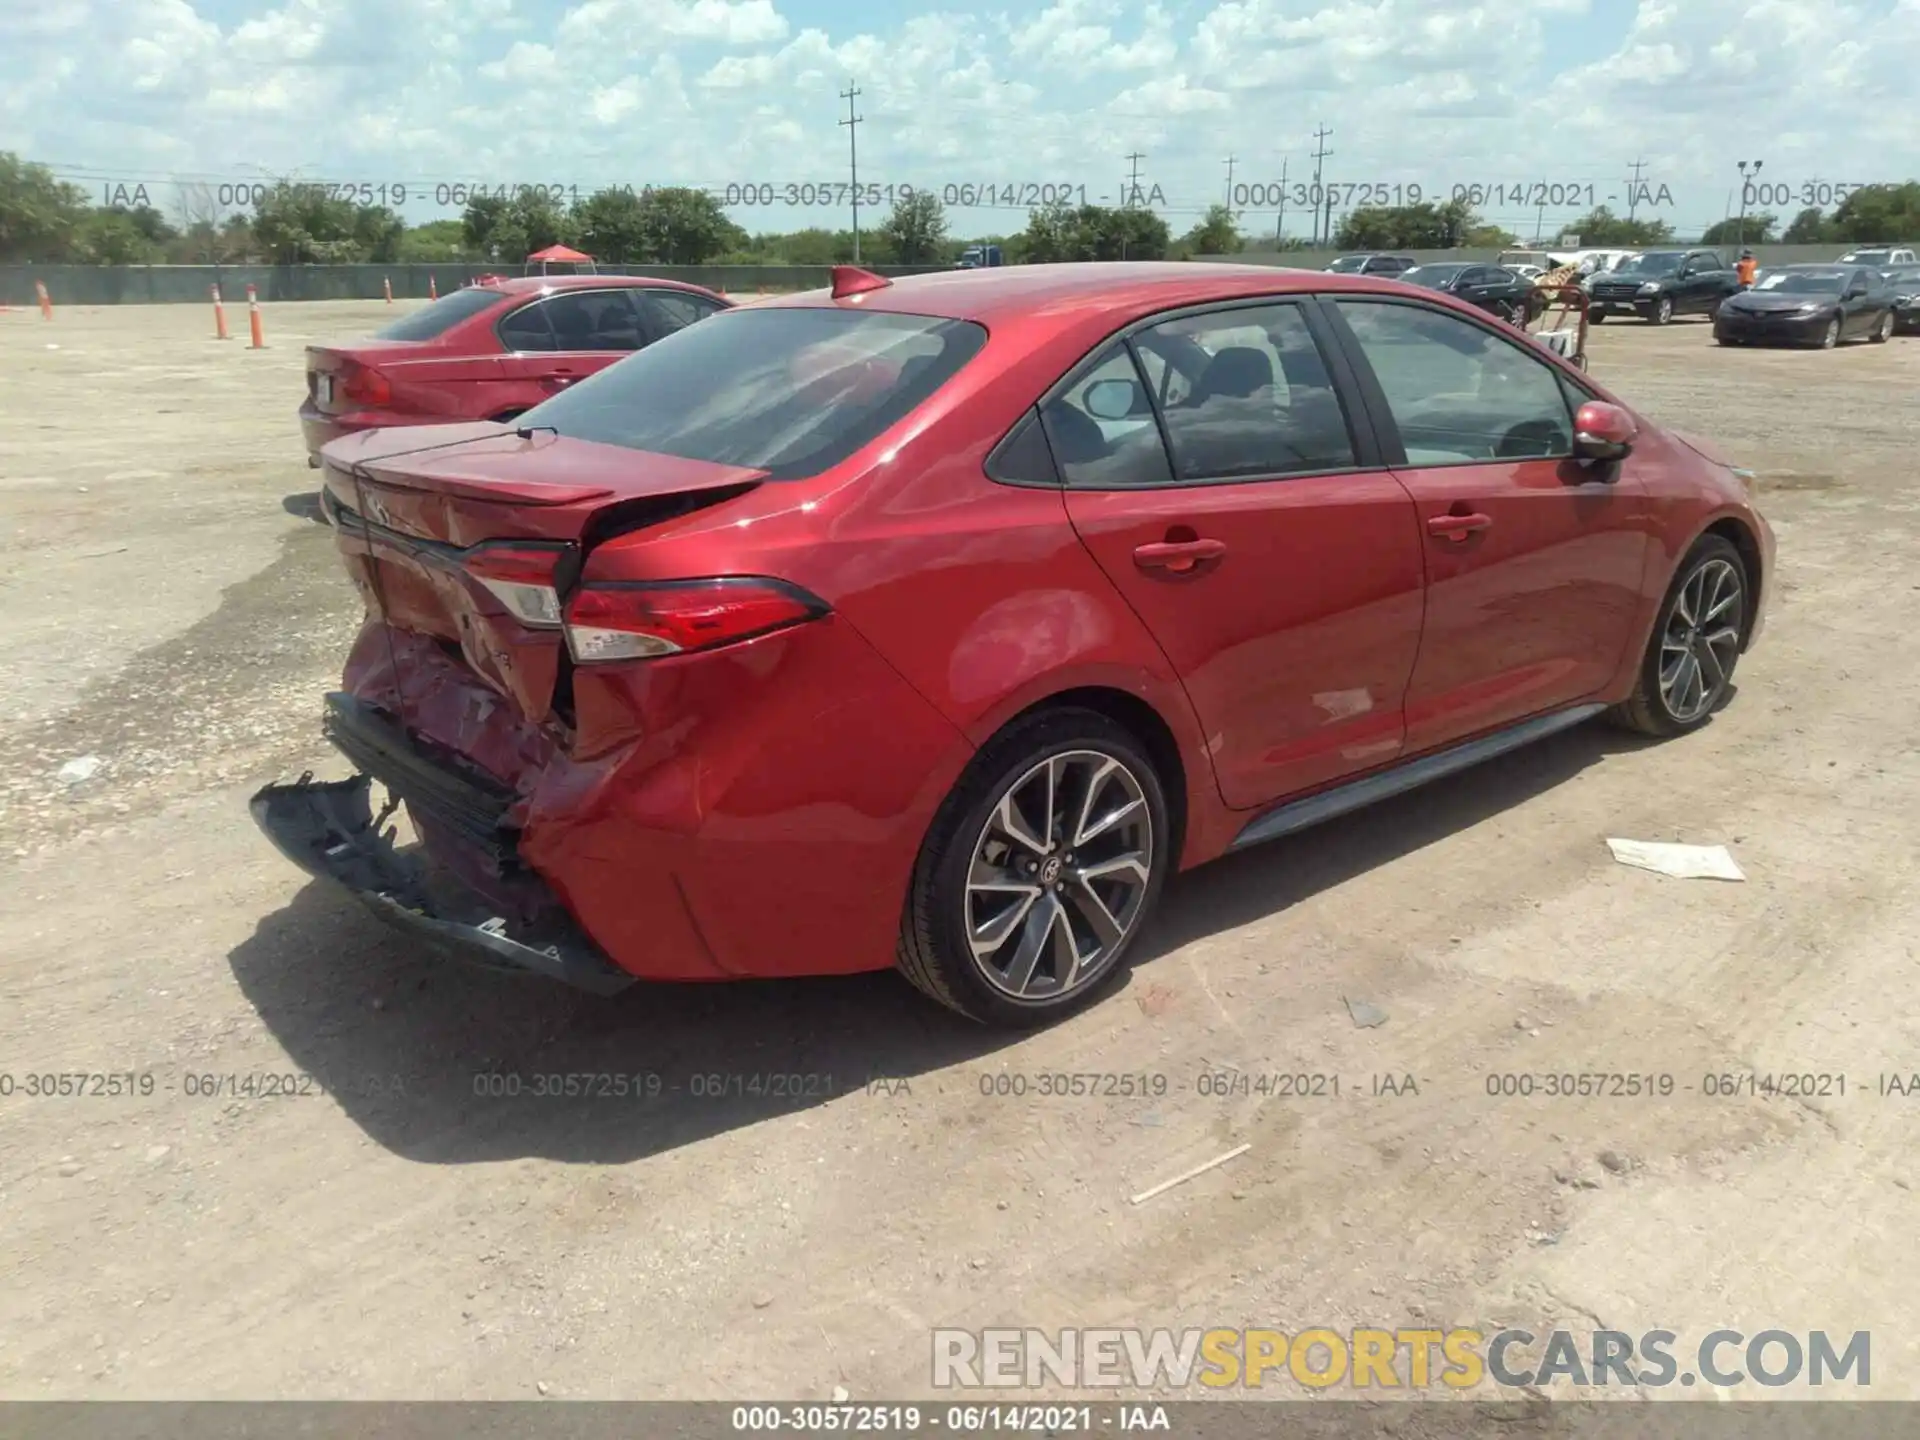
(852, 122)
(1320, 153)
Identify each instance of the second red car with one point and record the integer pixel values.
(490, 351)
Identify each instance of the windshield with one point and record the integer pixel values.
(1651, 265)
(787, 391)
(1805, 282)
(1348, 264)
(442, 315)
(1431, 274)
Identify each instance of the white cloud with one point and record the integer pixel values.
(589, 92)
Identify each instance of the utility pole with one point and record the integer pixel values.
(1280, 220)
(852, 122)
(1230, 160)
(1133, 178)
(1633, 188)
(1320, 153)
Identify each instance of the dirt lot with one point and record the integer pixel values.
(174, 610)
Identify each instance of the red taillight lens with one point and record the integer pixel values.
(521, 577)
(366, 386)
(639, 621)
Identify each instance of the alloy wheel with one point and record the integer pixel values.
(1059, 873)
(1830, 337)
(1663, 312)
(1701, 640)
(1886, 327)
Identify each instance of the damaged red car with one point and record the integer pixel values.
(934, 623)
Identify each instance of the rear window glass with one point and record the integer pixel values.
(791, 392)
(442, 315)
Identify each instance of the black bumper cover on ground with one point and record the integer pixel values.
(328, 829)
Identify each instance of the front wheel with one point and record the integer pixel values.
(1662, 310)
(1830, 337)
(1687, 671)
(1038, 872)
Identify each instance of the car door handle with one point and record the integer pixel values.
(1457, 527)
(1177, 555)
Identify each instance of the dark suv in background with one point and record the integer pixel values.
(1661, 284)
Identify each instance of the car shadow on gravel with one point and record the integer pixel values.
(443, 1063)
(305, 505)
(1263, 879)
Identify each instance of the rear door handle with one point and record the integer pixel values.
(1177, 555)
(1457, 527)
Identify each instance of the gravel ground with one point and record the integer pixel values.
(392, 1231)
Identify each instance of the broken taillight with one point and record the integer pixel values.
(642, 619)
(522, 578)
(365, 385)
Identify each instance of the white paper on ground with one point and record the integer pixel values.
(1682, 862)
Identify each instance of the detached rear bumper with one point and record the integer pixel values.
(328, 830)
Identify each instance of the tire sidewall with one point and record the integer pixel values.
(945, 890)
(1708, 547)
(1662, 310)
(1830, 337)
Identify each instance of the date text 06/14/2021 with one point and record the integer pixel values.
(984, 192)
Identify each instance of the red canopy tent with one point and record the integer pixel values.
(558, 255)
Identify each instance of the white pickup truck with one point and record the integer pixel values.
(1880, 257)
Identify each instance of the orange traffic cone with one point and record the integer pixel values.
(253, 321)
(433, 291)
(387, 285)
(219, 314)
(46, 300)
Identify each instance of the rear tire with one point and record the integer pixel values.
(1884, 330)
(1687, 670)
(997, 924)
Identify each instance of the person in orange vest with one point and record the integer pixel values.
(1745, 269)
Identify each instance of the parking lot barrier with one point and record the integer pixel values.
(253, 320)
(387, 285)
(46, 300)
(219, 314)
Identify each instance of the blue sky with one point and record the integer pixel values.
(1542, 106)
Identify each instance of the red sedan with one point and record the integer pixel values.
(934, 623)
(490, 351)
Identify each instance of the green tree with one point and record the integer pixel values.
(1756, 229)
(1216, 234)
(1048, 236)
(1601, 227)
(299, 224)
(916, 231)
(115, 236)
(611, 225)
(377, 234)
(684, 226)
(480, 220)
(436, 242)
(528, 221)
(40, 216)
(1879, 213)
(1809, 227)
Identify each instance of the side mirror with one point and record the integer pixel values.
(1113, 399)
(1603, 432)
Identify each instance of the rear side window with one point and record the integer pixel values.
(432, 321)
(788, 391)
